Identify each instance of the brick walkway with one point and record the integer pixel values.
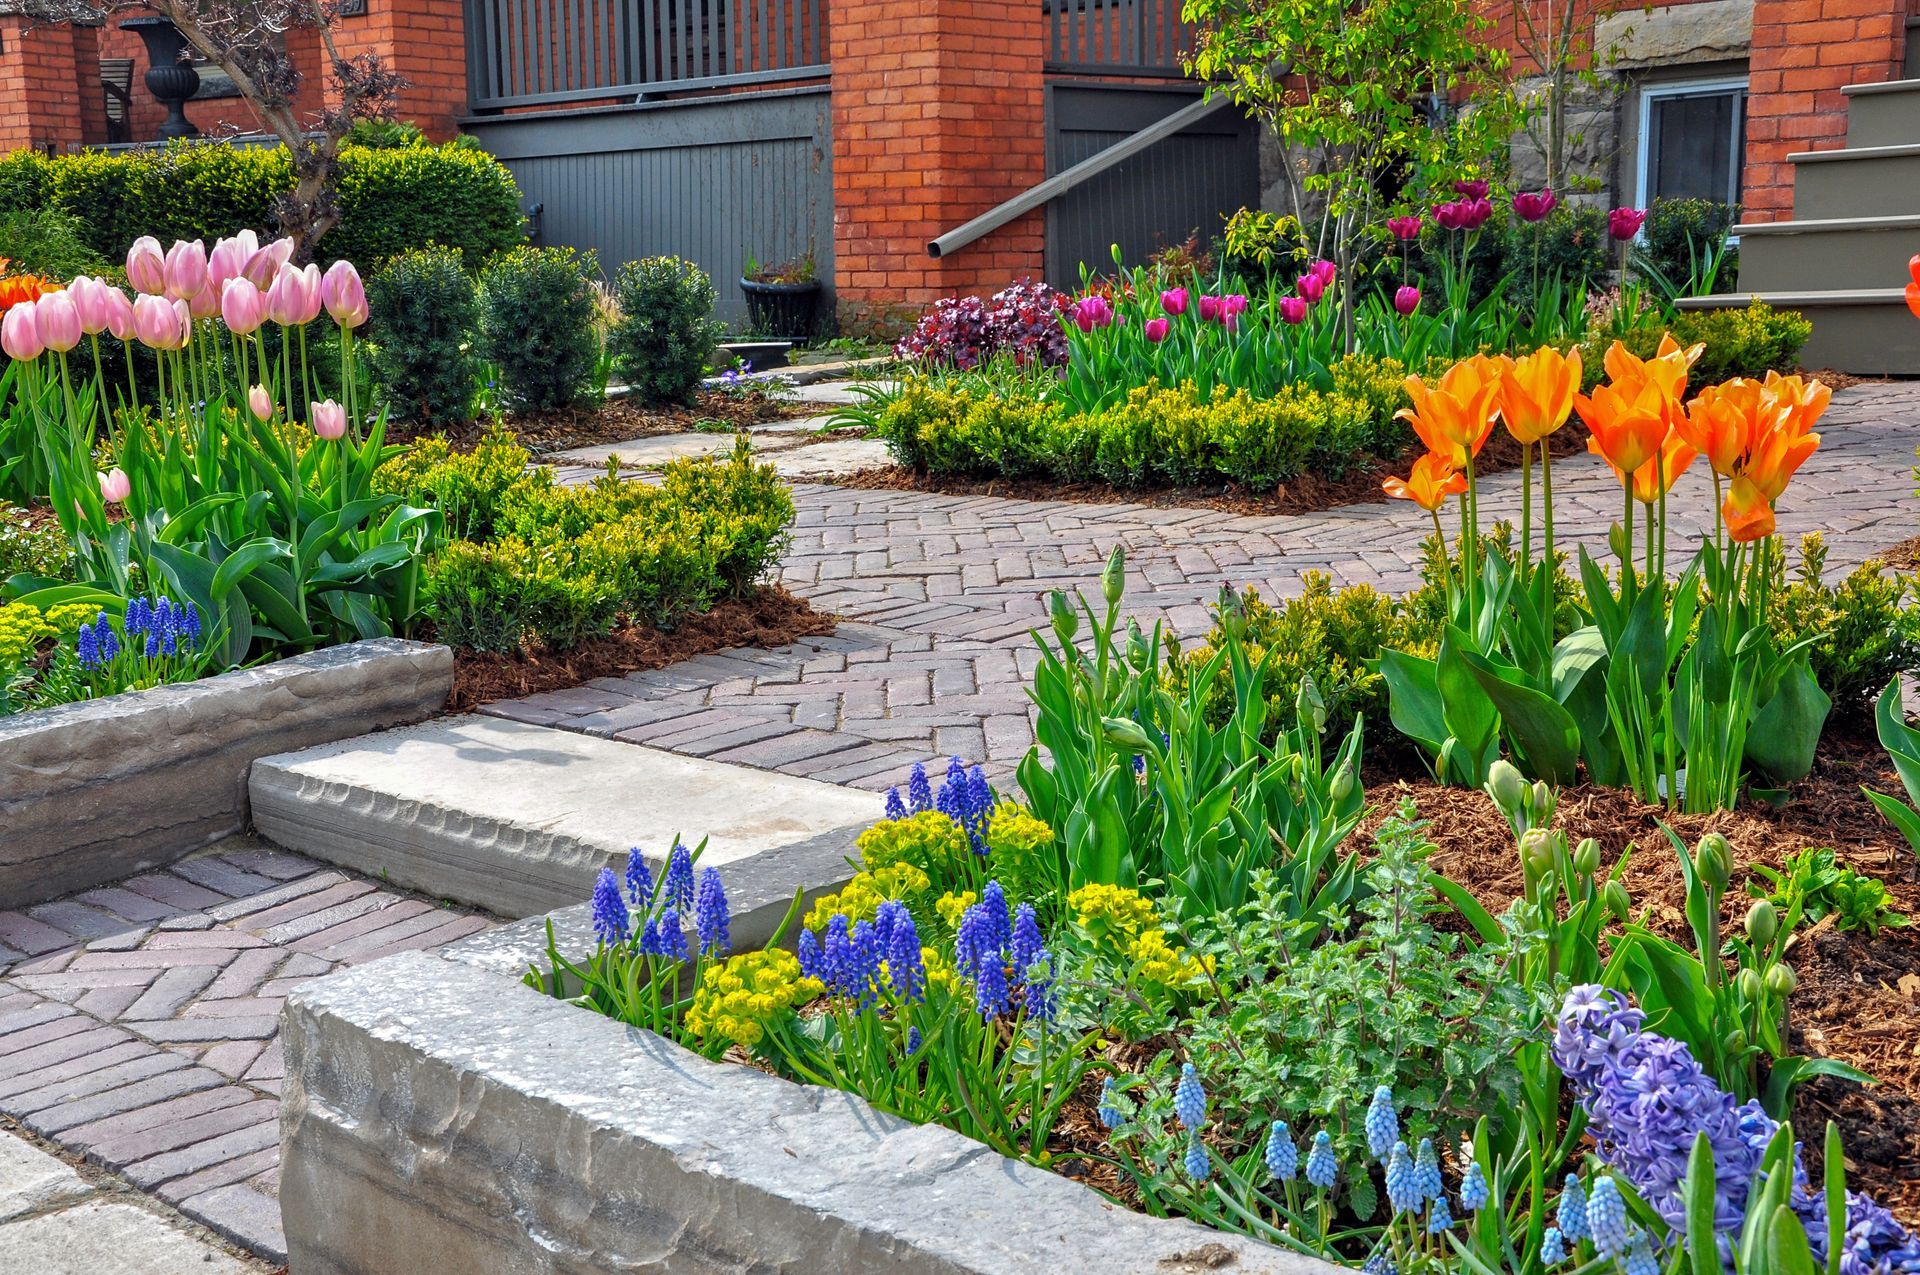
(139, 1021)
(938, 594)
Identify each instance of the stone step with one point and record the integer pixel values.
(519, 819)
(1873, 181)
(1883, 114)
(1844, 253)
(1866, 331)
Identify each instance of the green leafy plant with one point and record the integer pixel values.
(1902, 743)
(424, 317)
(48, 242)
(537, 327)
(665, 334)
(1816, 884)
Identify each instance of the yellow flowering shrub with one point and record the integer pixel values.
(861, 897)
(24, 626)
(929, 841)
(1125, 925)
(949, 907)
(740, 997)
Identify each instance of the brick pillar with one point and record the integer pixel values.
(1804, 53)
(937, 117)
(43, 85)
(425, 42)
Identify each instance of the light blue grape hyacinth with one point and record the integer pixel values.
(1553, 1248)
(1403, 1189)
(1473, 1188)
(1322, 1166)
(1573, 1211)
(1426, 1171)
(1283, 1158)
(1383, 1124)
(1197, 1163)
(1190, 1100)
(1607, 1218)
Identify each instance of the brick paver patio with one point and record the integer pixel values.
(938, 594)
(139, 1022)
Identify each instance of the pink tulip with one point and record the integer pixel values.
(263, 265)
(294, 298)
(161, 324)
(341, 292)
(119, 315)
(115, 486)
(204, 304)
(1310, 288)
(329, 419)
(58, 321)
(1407, 300)
(229, 257)
(1293, 310)
(242, 306)
(186, 268)
(260, 402)
(20, 334)
(1156, 329)
(1233, 303)
(1209, 308)
(1324, 271)
(147, 266)
(1174, 301)
(90, 299)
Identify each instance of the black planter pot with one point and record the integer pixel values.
(790, 311)
(170, 80)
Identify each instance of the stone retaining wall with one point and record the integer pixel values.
(96, 791)
(441, 1117)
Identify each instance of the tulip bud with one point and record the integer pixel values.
(20, 334)
(1113, 579)
(1736, 1043)
(1614, 895)
(1763, 923)
(329, 419)
(119, 315)
(115, 486)
(90, 300)
(1138, 653)
(1406, 300)
(186, 267)
(1066, 620)
(58, 321)
(260, 402)
(1747, 983)
(343, 295)
(1544, 800)
(1781, 980)
(1506, 787)
(242, 306)
(1536, 853)
(1310, 706)
(147, 266)
(1126, 733)
(1713, 860)
(1342, 782)
(1586, 857)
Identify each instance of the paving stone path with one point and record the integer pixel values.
(939, 593)
(139, 1022)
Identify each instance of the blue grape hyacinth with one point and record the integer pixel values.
(1190, 1099)
(906, 970)
(639, 879)
(664, 937)
(1573, 1210)
(919, 791)
(1197, 1162)
(1109, 1114)
(1473, 1187)
(1322, 1166)
(1283, 1158)
(710, 914)
(610, 920)
(1383, 1123)
(1607, 1218)
(1027, 943)
(896, 808)
(676, 885)
(1426, 1171)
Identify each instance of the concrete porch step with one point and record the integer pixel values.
(1839, 253)
(1872, 181)
(1883, 114)
(1866, 331)
(519, 819)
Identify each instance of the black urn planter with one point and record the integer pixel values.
(790, 311)
(170, 80)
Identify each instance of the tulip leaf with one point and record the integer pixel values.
(1786, 730)
(1413, 703)
(1901, 741)
(1899, 814)
(1543, 732)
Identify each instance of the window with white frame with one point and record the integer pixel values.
(1693, 140)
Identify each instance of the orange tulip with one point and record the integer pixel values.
(15, 289)
(1748, 512)
(1537, 393)
(1804, 402)
(1628, 423)
(1667, 368)
(1454, 417)
(1655, 478)
(1430, 483)
(1723, 420)
(1913, 288)
(1773, 459)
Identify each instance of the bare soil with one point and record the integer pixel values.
(617, 421)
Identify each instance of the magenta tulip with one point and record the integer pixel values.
(1174, 301)
(20, 334)
(260, 402)
(119, 315)
(186, 268)
(1293, 310)
(147, 266)
(1624, 223)
(58, 321)
(1156, 330)
(1092, 312)
(1324, 271)
(329, 419)
(115, 486)
(1405, 228)
(1407, 300)
(1209, 308)
(1233, 303)
(1533, 206)
(1310, 288)
(90, 299)
(1471, 190)
(242, 306)
(343, 294)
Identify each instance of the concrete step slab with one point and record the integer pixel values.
(519, 819)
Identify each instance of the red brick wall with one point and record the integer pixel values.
(1804, 52)
(40, 83)
(425, 42)
(937, 117)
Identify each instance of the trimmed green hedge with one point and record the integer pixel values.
(391, 200)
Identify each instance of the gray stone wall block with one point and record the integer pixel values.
(1674, 35)
(99, 790)
(441, 1117)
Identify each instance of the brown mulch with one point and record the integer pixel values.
(616, 421)
(768, 618)
(1858, 998)
(1309, 493)
(1904, 556)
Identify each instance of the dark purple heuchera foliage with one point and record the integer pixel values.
(1021, 320)
(1647, 1099)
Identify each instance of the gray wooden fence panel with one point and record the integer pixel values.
(1184, 185)
(714, 180)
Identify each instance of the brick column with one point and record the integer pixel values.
(937, 117)
(425, 42)
(1804, 53)
(43, 85)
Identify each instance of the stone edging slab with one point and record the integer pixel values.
(102, 789)
(457, 1120)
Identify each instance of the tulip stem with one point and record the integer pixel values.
(1626, 558)
(1526, 512)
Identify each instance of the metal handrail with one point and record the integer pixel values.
(1092, 166)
